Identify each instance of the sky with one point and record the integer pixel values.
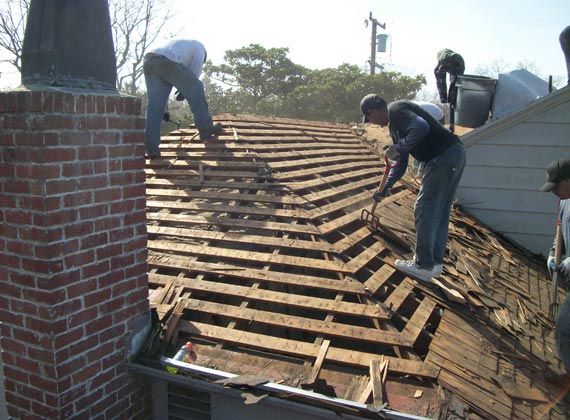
(327, 33)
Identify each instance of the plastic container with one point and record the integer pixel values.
(474, 97)
(184, 352)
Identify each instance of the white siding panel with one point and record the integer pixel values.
(514, 156)
(532, 134)
(507, 200)
(559, 115)
(503, 178)
(537, 244)
(506, 222)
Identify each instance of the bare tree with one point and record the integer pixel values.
(12, 24)
(135, 24)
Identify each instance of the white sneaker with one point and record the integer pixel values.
(437, 270)
(409, 267)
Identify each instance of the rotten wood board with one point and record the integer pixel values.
(303, 349)
(226, 196)
(328, 329)
(248, 224)
(268, 296)
(249, 256)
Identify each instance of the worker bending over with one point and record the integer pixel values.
(415, 132)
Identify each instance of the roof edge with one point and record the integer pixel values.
(542, 104)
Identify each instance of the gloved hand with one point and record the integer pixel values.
(179, 96)
(379, 195)
(166, 116)
(550, 264)
(392, 153)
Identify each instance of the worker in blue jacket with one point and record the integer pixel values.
(415, 132)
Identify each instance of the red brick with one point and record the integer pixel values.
(37, 234)
(61, 217)
(92, 123)
(51, 122)
(107, 138)
(121, 123)
(108, 224)
(77, 169)
(18, 217)
(41, 296)
(53, 154)
(93, 182)
(69, 280)
(135, 164)
(12, 261)
(92, 153)
(41, 266)
(79, 259)
(132, 219)
(20, 279)
(109, 194)
(39, 203)
(80, 102)
(98, 324)
(133, 137)
(93, 241)
(61, 186)
(94, 270)
(24, 307)
(122, 261)
(15, 122)
(122, 207)
(38, 171)
(79, 318)
(28, 138)
(90, 106)
(95, 212)
(75, 138)
(20, 248)
(78, 229)
(66, 339)
(97, 298)
(69, 104)
(58, 100)
(83, 198)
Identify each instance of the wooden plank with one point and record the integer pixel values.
(203, 235)
(221, 196)
(268, 296)
(379, 278)
(342, 190)
(303, 349)
(328, 329)
(340, 222)
(327, 181)
(320, 161)
(399, 295)
(355, 201)
(352, 239)
(312, 172)
(219, 208)
(224, 185)
(234, 254)
(367, 255)
(232, 223)
(378, 371)
(319, 362)
(161, 170)
(418, 320)
(190, 265)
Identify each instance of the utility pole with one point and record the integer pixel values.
(375, 25)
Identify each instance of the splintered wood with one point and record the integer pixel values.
(258, 255)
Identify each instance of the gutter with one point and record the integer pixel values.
(309, 399)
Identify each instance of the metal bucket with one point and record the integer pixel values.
(474, 97)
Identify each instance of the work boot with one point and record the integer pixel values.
(410, 268)
(212, 133)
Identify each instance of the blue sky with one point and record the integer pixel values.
(327, 33)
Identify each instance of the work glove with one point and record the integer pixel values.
(179, 96)
(550, 264)
(166, 116)
(393, 153)
(379, 195)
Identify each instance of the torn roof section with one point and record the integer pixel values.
(258, 255)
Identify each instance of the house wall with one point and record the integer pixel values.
(505, 170)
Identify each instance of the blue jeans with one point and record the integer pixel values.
(562, 322)
(433, 205)
(160, 75)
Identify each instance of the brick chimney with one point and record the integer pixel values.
(72, 231)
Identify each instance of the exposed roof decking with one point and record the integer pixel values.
(260, 233)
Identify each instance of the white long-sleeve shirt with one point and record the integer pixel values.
(189, 53)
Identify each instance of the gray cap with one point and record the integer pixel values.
(557, 171)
